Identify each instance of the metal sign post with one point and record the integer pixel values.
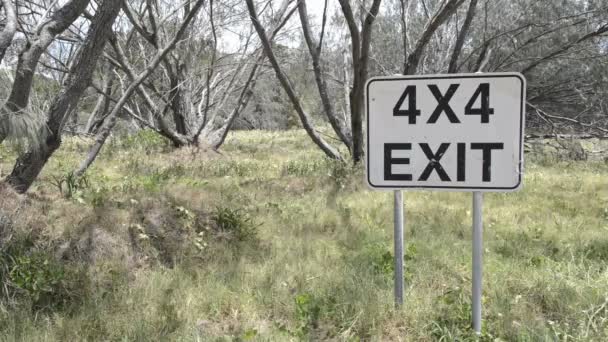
(477, 259)
(457, 132)
(398, 220)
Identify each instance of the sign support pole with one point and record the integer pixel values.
(398, 250)
(477, 259)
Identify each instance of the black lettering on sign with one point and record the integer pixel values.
(443, 104)
(434, 164)
(461, 162)
(487, 157)
(389, 161)
(485, 111)
(411, 112)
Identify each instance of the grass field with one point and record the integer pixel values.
(269, 241)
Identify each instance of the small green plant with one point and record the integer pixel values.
(236, 223)
(454, 320)
(383, 262)
(308, 310)
(69, 184)
(156, 179)
(339, 172)
(36, 275)
(47, 284)
(98, 196)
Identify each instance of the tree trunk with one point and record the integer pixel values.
(360, 53)
(215, 136)
(29, 165)
(304, 118)
(404, 14)
(178, 96)
(453, 66)
(29, 57)
(98, 115)
(338, 125)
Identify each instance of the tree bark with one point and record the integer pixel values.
(314, 49)
(102, 106)
(360, 53)
(30, 56)
(462, 35)
(29, 165)
(304, 118)
(404, 13)
(178, 96)
(218, 136)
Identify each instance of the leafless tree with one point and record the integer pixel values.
(29, 164)
(135, 85)
(29, 58)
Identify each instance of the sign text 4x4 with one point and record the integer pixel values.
(452, 132)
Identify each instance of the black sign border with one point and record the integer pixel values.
(460, 76)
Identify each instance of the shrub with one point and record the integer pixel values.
(39, 279)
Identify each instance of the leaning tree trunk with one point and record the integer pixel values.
(30, 56)
(102, 106)
(215, 137)
(178, 96)
(462, 35)
(329, 151)
(361, 42)
(339, 126)
(431, 27)
(29, 165)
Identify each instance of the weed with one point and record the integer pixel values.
(454, 318)
(69, 184)
(383, 262)
(235, 224)
(40, 280)
(339, 171)
(98, 197)
(308, 309)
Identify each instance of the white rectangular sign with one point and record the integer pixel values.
(452, 132)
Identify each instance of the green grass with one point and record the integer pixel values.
(269, 241)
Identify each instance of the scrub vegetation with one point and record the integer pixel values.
(269, 240)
